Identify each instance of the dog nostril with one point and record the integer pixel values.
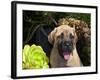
(67, 44)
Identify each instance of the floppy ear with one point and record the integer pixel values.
(51, 36)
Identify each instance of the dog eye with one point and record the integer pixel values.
(60, 36)
(71, 36)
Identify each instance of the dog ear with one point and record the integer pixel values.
(51, 36)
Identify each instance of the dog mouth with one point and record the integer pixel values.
(65, 49)
(66, 55)
(64, 52)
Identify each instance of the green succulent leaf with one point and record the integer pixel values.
(34, 57)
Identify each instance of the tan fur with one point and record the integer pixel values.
(55, 59)
(57, 32)
(74, 61)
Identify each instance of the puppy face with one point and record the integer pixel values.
(64, 38)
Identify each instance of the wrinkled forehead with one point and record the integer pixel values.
(66, 30)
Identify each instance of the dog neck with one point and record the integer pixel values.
(74, 61)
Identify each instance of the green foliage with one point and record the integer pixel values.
(86, 55)
(34, 57)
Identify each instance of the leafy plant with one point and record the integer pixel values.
(34, 57)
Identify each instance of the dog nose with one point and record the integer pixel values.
(68, 45)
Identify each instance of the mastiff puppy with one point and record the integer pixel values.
(64, 53)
